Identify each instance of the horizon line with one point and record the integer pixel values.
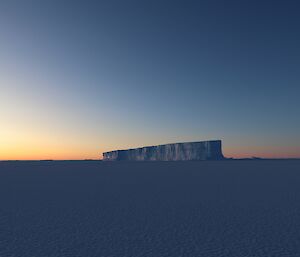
(225, 159)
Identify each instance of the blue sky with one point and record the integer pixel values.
(81, 77)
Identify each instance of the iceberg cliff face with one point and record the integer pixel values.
(205, 150)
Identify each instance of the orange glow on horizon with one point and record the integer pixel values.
(56, 152)
(33, 146)
(30, 144)
(47, 154)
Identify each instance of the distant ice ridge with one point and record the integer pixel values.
(204, 150)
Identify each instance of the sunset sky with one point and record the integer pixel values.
(81, 77)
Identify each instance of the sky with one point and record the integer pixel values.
(78, 78)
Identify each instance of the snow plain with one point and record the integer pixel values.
(150, 209)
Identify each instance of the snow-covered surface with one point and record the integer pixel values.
(143, 209)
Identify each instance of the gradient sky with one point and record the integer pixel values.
(81, 77)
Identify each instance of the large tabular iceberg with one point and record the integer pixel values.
(205, 150)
